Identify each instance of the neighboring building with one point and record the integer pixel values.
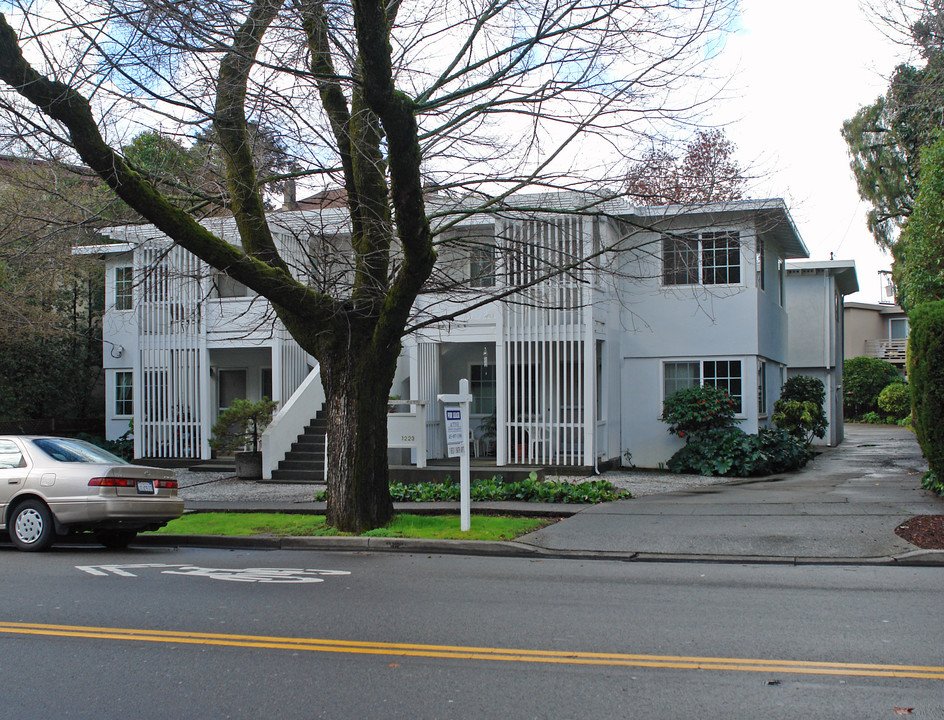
(815, 305)
(572, 372)
(876, 330)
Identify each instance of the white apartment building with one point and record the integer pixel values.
(571, 372)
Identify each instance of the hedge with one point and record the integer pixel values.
(926, 378)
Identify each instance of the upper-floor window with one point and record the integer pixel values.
(760, 262)
(711, 258)
(482, 266)
(123, 288)
(898, 329)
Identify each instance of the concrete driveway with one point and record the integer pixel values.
(843, 506)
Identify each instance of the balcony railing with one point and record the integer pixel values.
(892, 351)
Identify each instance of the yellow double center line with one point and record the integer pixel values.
(459, 652)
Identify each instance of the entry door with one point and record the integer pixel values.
(231, 385)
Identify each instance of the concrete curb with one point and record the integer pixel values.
(512, 549)
(520, 509)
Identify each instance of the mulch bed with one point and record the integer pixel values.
(924, 531)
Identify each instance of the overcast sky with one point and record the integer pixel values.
(802, 68)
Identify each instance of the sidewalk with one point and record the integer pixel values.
(842, 508)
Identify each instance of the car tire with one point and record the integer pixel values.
(115, 539)
(31, 526)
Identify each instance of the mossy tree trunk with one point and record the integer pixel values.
(356, 339)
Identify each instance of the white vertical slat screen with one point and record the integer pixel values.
(294, 366)
(168, 415)
(545, 353)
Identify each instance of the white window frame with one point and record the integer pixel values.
(475, 408)
(482, 266)
(762, 388)
(124, 393)
(685, 259)
(760, 260)
(701, 379)
(891, 324)
(124, 288)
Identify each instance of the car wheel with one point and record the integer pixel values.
(115, 539)
(31, 526)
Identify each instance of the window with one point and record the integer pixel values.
(482, 266)
(762, 388)
(720, 259)
(714, 257)
(681, 375)
(123, 288)
(759, 261)
(601, 392)
(680, 261)
(724, 374)
(265, 382)
(898, 329)
(124, 393)
(483, 389)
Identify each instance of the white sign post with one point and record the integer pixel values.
(457, 444)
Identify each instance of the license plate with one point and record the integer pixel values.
(145, 487)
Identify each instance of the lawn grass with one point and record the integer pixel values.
(440, 527)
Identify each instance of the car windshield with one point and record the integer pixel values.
(76, 451)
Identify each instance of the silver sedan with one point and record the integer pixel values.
(50, 487)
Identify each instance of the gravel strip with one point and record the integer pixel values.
(220, 487)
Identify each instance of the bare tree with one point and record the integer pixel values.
(708, 172)
(479, 98)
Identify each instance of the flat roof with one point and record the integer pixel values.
(843, 270)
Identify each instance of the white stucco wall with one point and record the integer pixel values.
(695, 323)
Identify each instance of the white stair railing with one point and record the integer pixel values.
(289, 422)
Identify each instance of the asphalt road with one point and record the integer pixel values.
(89, 633)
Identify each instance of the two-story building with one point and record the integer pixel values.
(816, 306)
(620, 306)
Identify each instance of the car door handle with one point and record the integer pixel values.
(13, 482)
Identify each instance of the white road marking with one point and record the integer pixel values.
(260, 575)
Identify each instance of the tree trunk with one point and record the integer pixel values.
(357, 390)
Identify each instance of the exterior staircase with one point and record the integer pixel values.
(305, 461)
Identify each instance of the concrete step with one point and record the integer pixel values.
(290, 464)
(316, 456)
(301, 476)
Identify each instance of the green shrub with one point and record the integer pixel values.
(895, 400)
(926, 376)
(931, 482)
(803, 419)
(863, 378)
(804, 388)
(731, 451)
(871, 418)
(242, 424)
(695, 410)
(495, 489)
